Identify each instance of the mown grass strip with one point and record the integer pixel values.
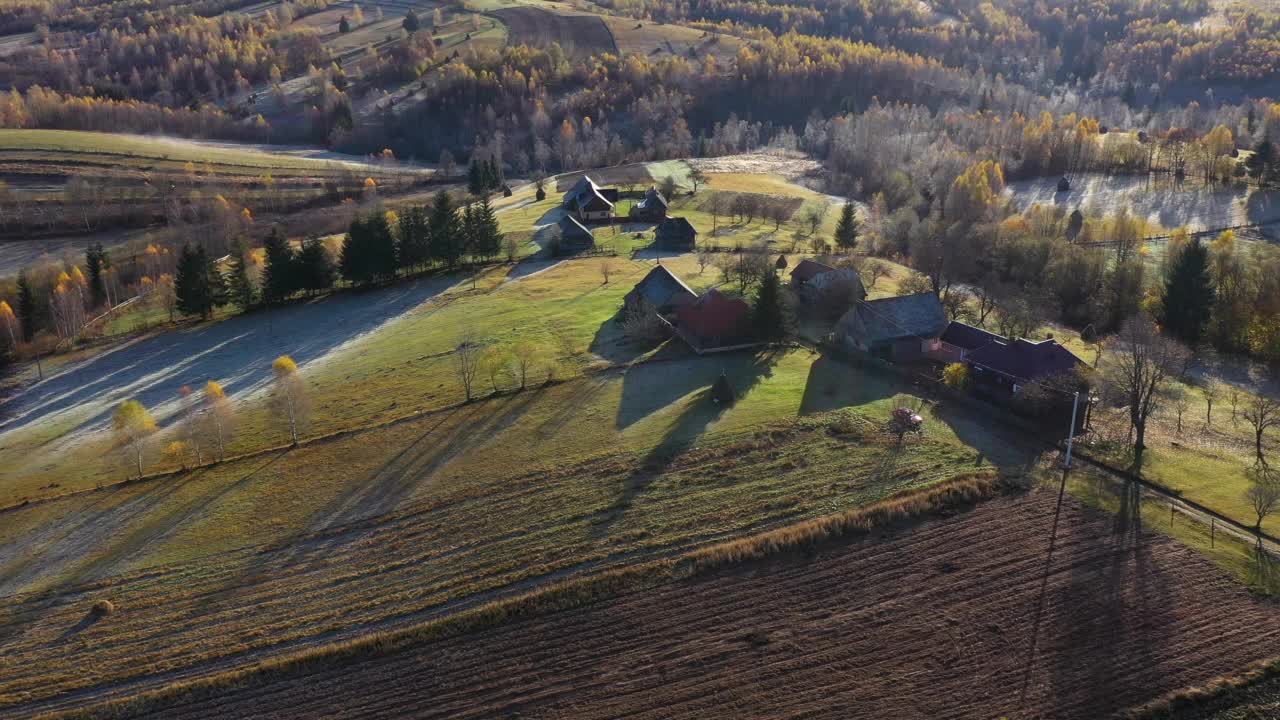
(948, 497)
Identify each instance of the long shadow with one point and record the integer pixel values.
(237, 352)
(743, 371)
(90, 619)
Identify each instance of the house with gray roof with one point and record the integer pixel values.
(651, 208)
(574, 237)
(589, 202)
(660, 290)
(900, 329)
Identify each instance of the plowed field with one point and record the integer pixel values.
(964, 617)
(578, 35)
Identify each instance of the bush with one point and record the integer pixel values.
(956, 376)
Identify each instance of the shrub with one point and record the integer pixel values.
(956, 376)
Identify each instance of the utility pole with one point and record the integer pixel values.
(1071, 431)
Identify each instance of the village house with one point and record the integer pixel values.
(831, 294)
(675, 234)
(899, 329)
(1002, 366)
(588, 202)
(714, 321)
(652, 208)
(574, 237)
(960, 339)
(807, 270)
(660, 290)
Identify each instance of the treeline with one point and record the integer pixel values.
(40, 107)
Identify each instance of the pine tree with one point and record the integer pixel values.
(770, 314)
(191, 286)
(415, 249)
(476, 181)
(847, 228)
(485, 235)
(353, 262)
(448, 244)
(26, 306)
(492, 178)
(1189, 294)
(95, 262)
(278, 272)
(315, 269)
(240, 289)
(381, 245)
(469, 231)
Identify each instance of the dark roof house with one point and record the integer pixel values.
(574, 236)
(653, 207)
(897, 328)
(662, 290)
(589, 201)
(714, 320)
(675, 233)
(965, 338)
(1022, 360)
(807, 270)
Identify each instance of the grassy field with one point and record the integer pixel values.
(133, 150)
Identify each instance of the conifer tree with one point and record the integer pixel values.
(26, 306)
(448, 243)
(1189, 294)
(95, 262)
(770, 313)
(847, 228)
(278, 272)
(415, 241)
(485, 235)
(240, 290)
(476, 178)
(315, 269)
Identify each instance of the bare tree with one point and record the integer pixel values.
(1212, 390)
(606, 269)
(466, 362)
(704, 259)
(1261, 412)
(1142, 365)
(872, 270)
(1233, 396)
(1263, 494)
(525, 355)
(1180, 400)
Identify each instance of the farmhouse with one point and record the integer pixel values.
(653, 208)
(675, 233)
(806, 271)
(901, 329)
(831, 294)
(714, 320)
(960, 339)
(661, 290)
(574, 236)
(1001, 366)
(589, 202)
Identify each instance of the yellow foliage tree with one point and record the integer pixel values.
(219, 409)
(956, 376)
(289, 385)
(132, 425)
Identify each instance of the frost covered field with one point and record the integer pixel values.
(1158, 198)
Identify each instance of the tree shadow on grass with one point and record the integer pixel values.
(743, 371)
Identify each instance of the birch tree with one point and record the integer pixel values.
(133, 425)
(290, 393)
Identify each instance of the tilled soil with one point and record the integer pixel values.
(579, 35)
(964, 617)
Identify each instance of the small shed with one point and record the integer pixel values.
(506, 190)
(540, 194)
(807, 270)
(722, 392)
(714, 320)
(675, 233)
(574, 236)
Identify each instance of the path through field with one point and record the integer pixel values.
(976, 616)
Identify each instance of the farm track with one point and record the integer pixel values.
(366, 574)
(963, 617)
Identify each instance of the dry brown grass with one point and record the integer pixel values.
(946, 498)
(1221, 687)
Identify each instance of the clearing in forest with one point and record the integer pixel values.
(578, 35)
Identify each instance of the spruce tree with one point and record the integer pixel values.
(239, 287)
(1189, 294)
(447, 241)
(469, 230)
(215, 282)
(95, 262)
(485, 235)
(315, 269)
(847, 228)
(770, 313)
(493, 179)
(278, 270)
(476, 180)
(198, 283)
(381, 245)
(415, 248)
(354, 260)
(26, 306)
